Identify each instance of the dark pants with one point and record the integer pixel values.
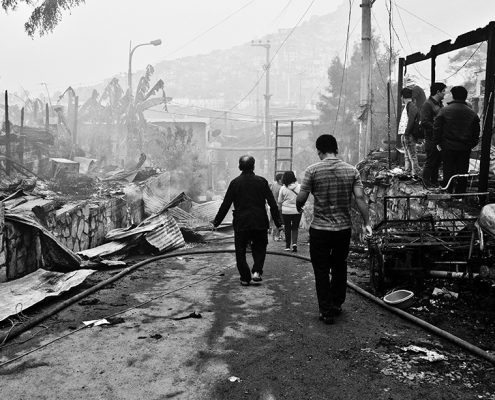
(328, 251)
(259, 241)
(291, 226)
(432, 164)
(455, 162)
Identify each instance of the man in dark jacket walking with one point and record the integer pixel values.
(249, 193)
(429, 111)
(456, 131)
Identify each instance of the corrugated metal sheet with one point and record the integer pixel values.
(167, 236)
(207, 211)
(106, 249)
(185, 220)
(156, 193)
(20, 294)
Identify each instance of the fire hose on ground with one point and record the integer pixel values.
(16, 331)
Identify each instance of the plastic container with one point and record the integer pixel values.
(400, 298)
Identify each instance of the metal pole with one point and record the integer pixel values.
(7, 134)
(365, 131)
(388, 126)
(488, 107)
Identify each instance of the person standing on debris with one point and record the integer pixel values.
(332, 183)
(291, 217)
(408, 122)
(275, 188)
(249, 193)
(456, 131)
(429, 111)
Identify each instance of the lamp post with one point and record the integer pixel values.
(131, 128)
(156, 42)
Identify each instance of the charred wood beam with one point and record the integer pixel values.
(464, 40)
(487, 121)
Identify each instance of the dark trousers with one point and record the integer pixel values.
(259, 241)
(328, 251)
(432, 164)
(455, 162)
(291, 226)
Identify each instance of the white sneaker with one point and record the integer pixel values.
(257, 277)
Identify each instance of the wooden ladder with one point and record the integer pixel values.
(283, 149)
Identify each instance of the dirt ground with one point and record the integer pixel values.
(257, 342)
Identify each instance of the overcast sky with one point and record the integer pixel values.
(92, 42)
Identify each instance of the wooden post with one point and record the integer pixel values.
(74, 129)
(487, 124)
(47, 118)
(22, 138)
(433, 69)
(7, 135)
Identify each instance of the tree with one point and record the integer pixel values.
(45, 15)
(339, 105)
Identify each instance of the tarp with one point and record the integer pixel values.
(22, 293)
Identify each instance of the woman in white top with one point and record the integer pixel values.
(287, 201)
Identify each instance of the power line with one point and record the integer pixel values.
(273, 57)
(463, 65)
(344, 65)
(423, 20)
(408, 41)
(282, 12)
(210, 28)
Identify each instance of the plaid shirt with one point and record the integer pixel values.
(331, 181)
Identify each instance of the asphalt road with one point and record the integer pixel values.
(257, 342)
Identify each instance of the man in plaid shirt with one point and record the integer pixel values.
(332, 182)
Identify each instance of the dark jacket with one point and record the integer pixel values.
(412, 112)
(456, 127)
(249, 193)
(429, 111)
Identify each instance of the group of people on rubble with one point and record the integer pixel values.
(333, 183)
(450, 133)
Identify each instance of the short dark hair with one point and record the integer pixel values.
(288, 178)
(459, 93)
(406, 93)
(246, 163)
(327, 144)
(437, 87)
(278, 177)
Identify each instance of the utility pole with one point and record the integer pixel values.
(365, 95)
(267, 124)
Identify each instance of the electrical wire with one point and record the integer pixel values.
(213, 117)
(344, 65)
(463, 65)
(423, 20)
(210, 29)
(281, 12)
(410, 45)
(272, 58)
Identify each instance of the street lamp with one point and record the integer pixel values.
(156, 42)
